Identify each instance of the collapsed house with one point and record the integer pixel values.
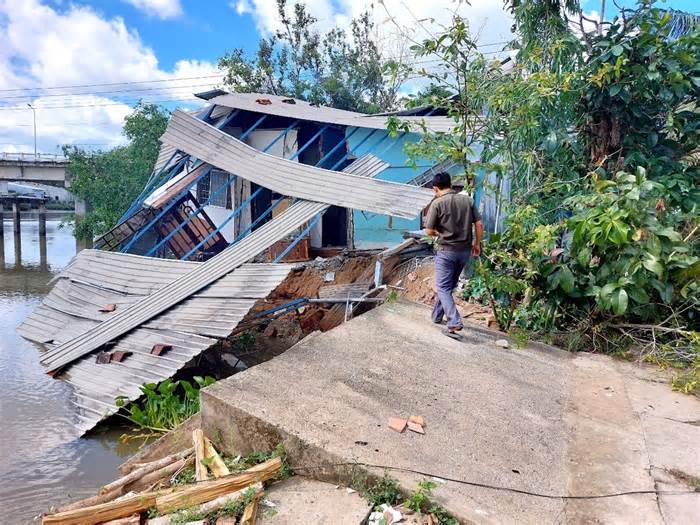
(248, 183)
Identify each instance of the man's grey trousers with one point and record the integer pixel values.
(448, 268)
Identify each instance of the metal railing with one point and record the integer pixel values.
(11, 156)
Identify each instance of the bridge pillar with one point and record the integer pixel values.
(16, 217)
(2, 237)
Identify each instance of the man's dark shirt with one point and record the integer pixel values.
(452, 215)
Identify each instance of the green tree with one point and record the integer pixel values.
(110, 180)
(598, 132)
(333, 68)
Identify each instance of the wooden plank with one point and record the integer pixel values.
(179, 186)
(208, 490)
(200, 468)
(103, 512)
(218, 467)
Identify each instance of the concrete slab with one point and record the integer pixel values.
(302, 501)
(535, 420)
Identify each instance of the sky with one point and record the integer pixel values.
(82, 64)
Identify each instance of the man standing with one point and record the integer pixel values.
(450, 218)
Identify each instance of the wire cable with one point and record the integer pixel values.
(497, 487)
(109, 94)
(129, 82)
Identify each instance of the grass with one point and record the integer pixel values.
(231, 509)
(692, 481)
(239, 464)
(386, 490)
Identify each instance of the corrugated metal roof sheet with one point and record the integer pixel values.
(294, 179)
(164, 155)
(427, 175)
(96, 278)
(305, 111)
(124, 320)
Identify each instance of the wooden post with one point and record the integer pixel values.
(17, 227)
(43, 259)
(2, 237)
(42, 219)
(16, 217)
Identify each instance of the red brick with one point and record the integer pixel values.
(415, 427)
(397, 424)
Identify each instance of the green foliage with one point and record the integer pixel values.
(599, 135)
(244, 342)
(385, 490)
(109, 181)
(166, 405)
(345, 71)
(420, 499)
(231, 509)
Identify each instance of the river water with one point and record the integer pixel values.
(42, 460)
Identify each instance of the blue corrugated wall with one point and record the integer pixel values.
(371, 229)
(376, 231)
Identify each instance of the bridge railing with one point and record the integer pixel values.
(11, 156)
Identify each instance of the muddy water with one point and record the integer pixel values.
(42, 461)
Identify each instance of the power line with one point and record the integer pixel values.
(108, 93)
(123, 103)
(129, 82)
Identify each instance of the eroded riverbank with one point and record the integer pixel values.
(43, 460)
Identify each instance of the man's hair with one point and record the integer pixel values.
(442, 181)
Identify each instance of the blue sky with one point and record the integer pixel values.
(123, 50)
(204, 31)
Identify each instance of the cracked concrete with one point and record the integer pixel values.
(537, 420)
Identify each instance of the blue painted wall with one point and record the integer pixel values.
(373, 230)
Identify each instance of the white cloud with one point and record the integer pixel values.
(158, 8)
(76, 47)
(399, 23)
(487, 18)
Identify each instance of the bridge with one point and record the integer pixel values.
(27, 167)
(44, 168)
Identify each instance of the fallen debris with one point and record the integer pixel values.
(216, 464)
(387, 515)
(415, 427)
(200, 468)
(397, 424)
(503, 343)
(146, 468)
(419, 420)
(108, 308)
(112, 506)
(251, 512)
(160, 349)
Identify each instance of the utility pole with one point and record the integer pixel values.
(34, 112)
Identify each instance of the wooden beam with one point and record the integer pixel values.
(200, 468)
(208, 490)
(217, 465)
(138, 473)
(104, 512)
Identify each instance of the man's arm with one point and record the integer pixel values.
(479, 234)
(431, 221)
